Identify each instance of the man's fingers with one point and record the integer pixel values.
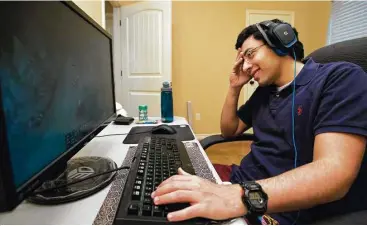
(181, 196)
(174, 186)
(239, 53)
(186, 213)
(182, 172)
(237, 65)
(176, 178)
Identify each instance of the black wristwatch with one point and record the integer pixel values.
(254, 198)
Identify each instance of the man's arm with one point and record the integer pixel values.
(324, 180)
(230, 124)
(336, 163)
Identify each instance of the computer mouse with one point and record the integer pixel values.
(163, 129)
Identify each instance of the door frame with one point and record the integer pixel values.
(276, 12)
(117, 54)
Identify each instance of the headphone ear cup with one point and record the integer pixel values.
(280, 52)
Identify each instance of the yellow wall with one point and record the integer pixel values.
(92, 8)
(203, 38)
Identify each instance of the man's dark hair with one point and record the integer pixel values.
(253, 31)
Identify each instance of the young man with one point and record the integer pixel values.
(303, 165)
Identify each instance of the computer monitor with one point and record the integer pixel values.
(56, 91)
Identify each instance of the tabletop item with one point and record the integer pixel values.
(166, 103)
(143, 112)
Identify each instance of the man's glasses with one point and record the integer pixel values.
(250, 53)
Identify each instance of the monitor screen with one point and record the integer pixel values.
(56, 82)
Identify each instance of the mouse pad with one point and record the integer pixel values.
(136, 133)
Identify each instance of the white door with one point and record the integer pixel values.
(256, 16)
(146, 54)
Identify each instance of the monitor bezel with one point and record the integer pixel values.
(14, 196)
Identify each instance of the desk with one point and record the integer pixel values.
(84, 211)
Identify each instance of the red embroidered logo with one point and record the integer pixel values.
(267, 220)
(299, 110)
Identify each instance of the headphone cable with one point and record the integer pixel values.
(293, 121)
(293, 116)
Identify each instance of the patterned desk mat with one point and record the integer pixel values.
(107, 212)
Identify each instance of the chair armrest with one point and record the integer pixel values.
(216, 139)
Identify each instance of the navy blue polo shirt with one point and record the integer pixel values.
(329, 98)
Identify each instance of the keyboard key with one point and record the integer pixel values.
(138, 182)
(148, 189)
(147, 210)
(147, 194)
(157, 211)
(136, 195)
(137, 187)
(147, 201)
(133, 209)
(158, 180)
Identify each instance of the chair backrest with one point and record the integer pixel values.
(354, 51)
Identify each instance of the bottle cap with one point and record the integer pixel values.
(165, 84)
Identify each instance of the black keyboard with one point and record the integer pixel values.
(156, 159)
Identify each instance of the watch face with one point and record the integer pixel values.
(256, 199)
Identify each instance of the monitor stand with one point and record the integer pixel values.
(77, 168)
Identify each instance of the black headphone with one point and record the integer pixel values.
(279, 36)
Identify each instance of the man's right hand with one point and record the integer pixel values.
(207, 199)
(239, 77)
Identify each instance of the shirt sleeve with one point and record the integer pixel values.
(245, 111)
(343, 102)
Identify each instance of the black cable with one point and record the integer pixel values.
(120, 134)
(81, 180)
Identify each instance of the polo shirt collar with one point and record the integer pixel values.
(308, 72)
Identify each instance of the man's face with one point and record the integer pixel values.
(260, 61)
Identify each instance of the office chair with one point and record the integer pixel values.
(354, 51)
